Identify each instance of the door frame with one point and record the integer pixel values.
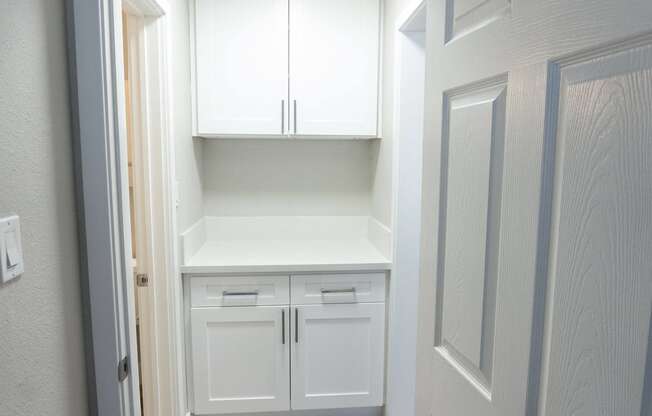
(402, 346)
(97, 96)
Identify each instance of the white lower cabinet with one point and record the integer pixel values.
(240, 359)
(338, 356)
(243, 356)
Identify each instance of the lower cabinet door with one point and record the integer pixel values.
(338, 356)
(240, 359)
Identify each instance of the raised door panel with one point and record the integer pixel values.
(241, 66)
(334, 64)
(240, 359)
(598, 340)
(338, 356)
(472, 194)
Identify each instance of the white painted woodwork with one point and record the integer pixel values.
(600, 277)
(475, 147)
(338, 356)
(241, 66)
(409, 82)
(466, 16)
(334, 66)
(240, 362)
(567, 310)
(239, 290)
(338, 288)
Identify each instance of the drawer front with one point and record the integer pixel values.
(338, 288)
(239, 291)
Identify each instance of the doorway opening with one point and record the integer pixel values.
(149, 170)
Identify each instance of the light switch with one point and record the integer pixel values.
(13, 257)
(11, 251)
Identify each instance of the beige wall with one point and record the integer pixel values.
(41, 343)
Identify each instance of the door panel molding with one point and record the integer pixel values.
(599, 297)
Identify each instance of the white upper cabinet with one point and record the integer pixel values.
(286, 68)
(241, 66)
(334, 61)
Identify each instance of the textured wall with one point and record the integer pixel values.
(41, 343)
(188, 151)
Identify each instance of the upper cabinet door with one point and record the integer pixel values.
(241, 67)
(334, 62)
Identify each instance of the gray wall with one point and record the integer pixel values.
(41, 341)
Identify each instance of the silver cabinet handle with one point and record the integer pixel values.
(282, 116)
(296, 325)
(283, 325)
(295, 117)
(227, 293)
(334, 291)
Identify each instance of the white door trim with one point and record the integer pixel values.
(97, 97)
(401, 361)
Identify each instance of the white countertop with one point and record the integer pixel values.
(285, 256)
(285, 244)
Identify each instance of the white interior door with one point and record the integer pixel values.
(240, 359)
(334, 57)
(536, 200)
(241, 66)
(338, 356)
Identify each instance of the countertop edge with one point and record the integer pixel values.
(289, 268)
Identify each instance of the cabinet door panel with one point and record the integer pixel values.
(241, 66)
(240, 359)
(338, 356)
(334, 62)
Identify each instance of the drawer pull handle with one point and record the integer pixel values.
(227, 293)
(337, 291)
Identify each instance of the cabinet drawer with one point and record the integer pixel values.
(338, 288)
(239, 291)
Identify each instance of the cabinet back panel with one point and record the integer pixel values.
(276, 177)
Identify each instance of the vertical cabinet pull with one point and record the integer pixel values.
(295, 116)
(296, 325)
(283, 325)
(282, 116)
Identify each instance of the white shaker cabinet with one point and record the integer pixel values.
(323, 347)
(286, 68)
(334, 65)
(240, 359)
(240, 66)
(338, 356)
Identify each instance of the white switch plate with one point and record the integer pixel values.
(11, 249)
